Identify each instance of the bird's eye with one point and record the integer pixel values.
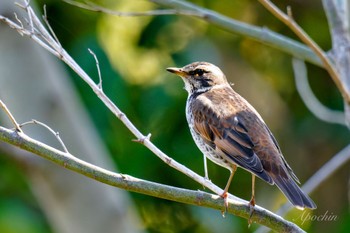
(197, 72)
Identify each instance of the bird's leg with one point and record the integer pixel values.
(206, 176)
(224, 194)
(252, 201)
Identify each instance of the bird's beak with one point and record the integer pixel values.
(177, 71)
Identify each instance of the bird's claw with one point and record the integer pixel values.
(251, 211)
(224, 196)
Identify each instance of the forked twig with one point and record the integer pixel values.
(56, 134)
(49, 26)
(18, 127)
(56, 49)
(98, 68)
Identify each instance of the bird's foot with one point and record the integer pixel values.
(251, 210)
(224, 196)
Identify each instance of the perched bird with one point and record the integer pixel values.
(231, 133)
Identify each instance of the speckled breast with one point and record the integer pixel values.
(207, 150)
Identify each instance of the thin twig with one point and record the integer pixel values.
(313, 104)
(23, 31)
(56, 134)
(49, 26)
(10, 116)
(312, 44)
(30, 17)
(18, 20)
(98, 68)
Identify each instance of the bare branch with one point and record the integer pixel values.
(313, 104)
(25, 32)
(142, 140)
(98, 68)
(315, 181)
(19, 21)
(49, 26)
(44, 38)
(10, 116)
(58, 51)
(94, 7)
(326, 171)
(200, 198)
(260, 34)
(56, 134)
(338, 16)
(329, 66)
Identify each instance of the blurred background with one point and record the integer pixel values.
(133, 53)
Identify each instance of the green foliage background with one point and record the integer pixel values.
(133, 53)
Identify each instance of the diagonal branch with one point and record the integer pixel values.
(289, 21)
(199, 198)
(327, 170)
(10, 116)
(260, 34)
(94, 7)
(43, 38)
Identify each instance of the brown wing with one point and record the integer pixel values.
(289, 169)
(240, 136)
(228, 136)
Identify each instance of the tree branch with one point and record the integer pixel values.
(312, 103)
(337, 13)
(8, 113)
(260, 34)
(329, 66)
(336, 162)
(56, 134)
(199, 198)
(326, 171)
(314, 55)
(94, 7)
(39, 34)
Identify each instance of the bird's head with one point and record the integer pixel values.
(200, 76)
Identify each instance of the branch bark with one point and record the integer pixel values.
(199, 198)
(337, 13)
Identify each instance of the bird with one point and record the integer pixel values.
(231, 133)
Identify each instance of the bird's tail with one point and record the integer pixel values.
(294, 194)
